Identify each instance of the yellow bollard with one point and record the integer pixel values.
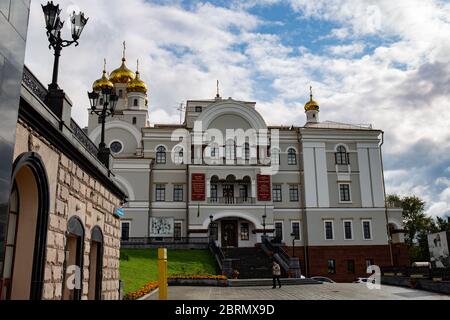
(162, 273)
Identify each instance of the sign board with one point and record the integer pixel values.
(264, 189)
(438, 245)
(120, 212)
(198, 187)
(161, 227)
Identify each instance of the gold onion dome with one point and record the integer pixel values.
(122, 74)
(103, 82)
(137, 85)
(311, 104)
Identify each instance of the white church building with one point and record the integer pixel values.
(318, 187)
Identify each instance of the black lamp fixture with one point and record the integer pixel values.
(54, 25)
(293, 243)
(103, 104)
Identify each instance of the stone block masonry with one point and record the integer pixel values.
(73, 192)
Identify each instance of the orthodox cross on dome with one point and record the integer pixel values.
(218, 90)
(104, 64)
(310, 92)
(137, 66)
(124, 50)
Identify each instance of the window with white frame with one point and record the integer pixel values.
(295, 229)
(292, 156)
(160, 194)
(177, 227)
(246, 151)
(276, 193)
(328, 229)
(178, 193)
(178, 155)
(279, 230)
(161, 155)
(293, 193)
(344, 192)
(230, 152)
(341, 156)
(348, 229)
(367, 229)
(214, 195)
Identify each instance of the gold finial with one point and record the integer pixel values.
(218, 90)
(124, 50)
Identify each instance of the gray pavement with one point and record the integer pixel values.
(325, 291)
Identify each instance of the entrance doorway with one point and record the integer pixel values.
(229, 234)
(96, 265)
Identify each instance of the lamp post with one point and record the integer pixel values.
(211, 236)
(264, 217)
(107, 108)
(54, 25)
(293, 244)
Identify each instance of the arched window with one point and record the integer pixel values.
(95, 264)
(135, 102)
(341, 155)
(292, 156)
(178, 155)
(246, 151)
(134, 120)
(161, 155)
(275, 156)
(230, 153)
(73, 286)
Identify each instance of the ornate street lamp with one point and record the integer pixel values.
(54, 25)
(264, 217)
(108, 100)
(211, 229)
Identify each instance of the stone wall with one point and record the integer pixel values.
(74, 192)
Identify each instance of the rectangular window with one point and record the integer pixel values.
(293, 193)
(245, 236)
(348, 230)
(125, 230)
(178, 193)
(279, 231)
(367, 229)
(198, 109)
(177, 230)
(243, 192)
(344, 192)
(214, 193)
(331, 266)
(351, 266)
(329, 232)
(160, 192)
(295, 225)
(276, 193)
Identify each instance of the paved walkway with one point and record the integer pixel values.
(325, 291)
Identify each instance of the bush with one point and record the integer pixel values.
(134, 295)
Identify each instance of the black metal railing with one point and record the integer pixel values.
(82, 137)
(419, 272)
(231, 200)
(217, 251)
(276, 249)
(164, 240)
(34, 84)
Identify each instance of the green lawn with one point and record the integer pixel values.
(142, 265)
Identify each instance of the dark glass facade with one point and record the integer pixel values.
(14, 16)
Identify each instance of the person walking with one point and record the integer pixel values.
(276, 272)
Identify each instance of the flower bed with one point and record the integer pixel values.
(197, 280)
(134, 295)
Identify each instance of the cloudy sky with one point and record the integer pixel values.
(381, 62)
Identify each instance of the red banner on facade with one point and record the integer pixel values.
(198, 187)
(264, 190)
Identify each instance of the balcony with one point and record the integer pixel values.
(232, 201)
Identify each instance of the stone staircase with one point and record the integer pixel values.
(252, 263)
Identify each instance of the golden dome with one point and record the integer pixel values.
(103, 82)
(311, 104)
(122, 74)
(137, 85)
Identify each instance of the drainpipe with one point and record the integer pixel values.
(385, 203)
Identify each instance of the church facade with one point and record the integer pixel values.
(317, 189)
